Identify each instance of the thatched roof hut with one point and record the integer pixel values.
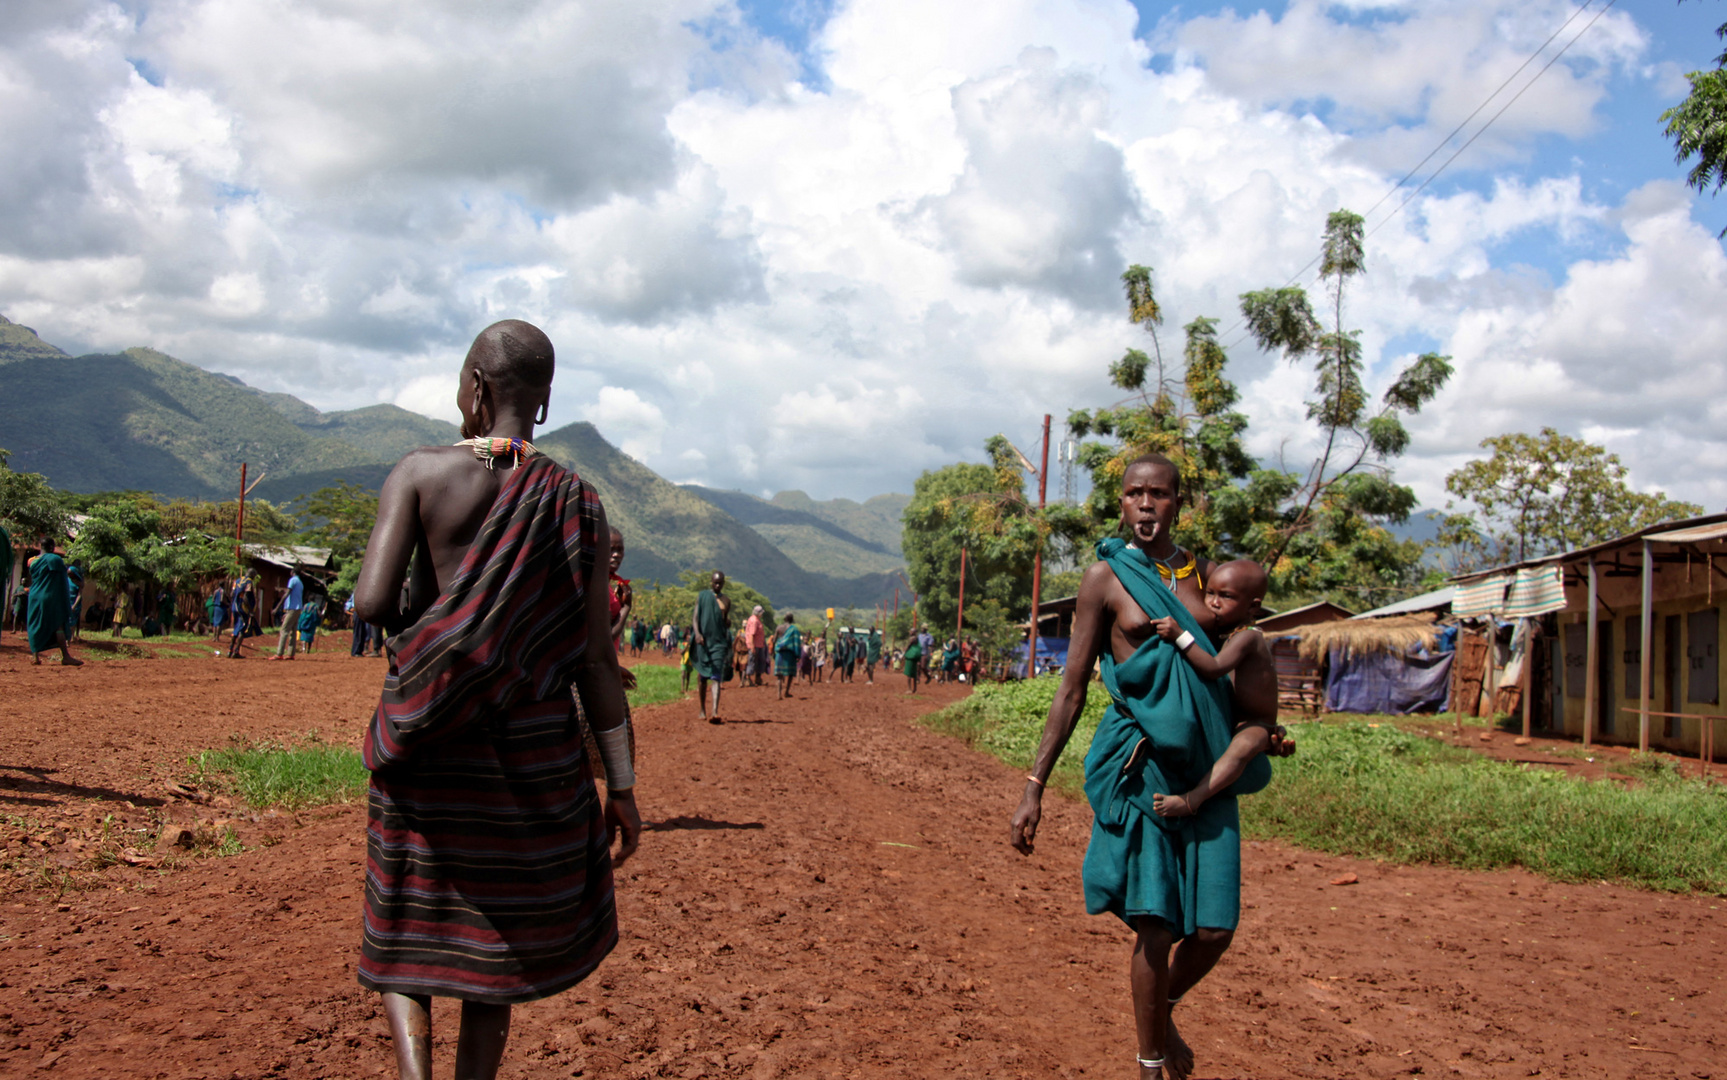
(1359, 636)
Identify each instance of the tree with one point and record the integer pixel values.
(112, 542)
(185, 563)
(1539, 494)
(1350, 474)
(1190, 419)
(29, 508)
(1698, 126)
(982, 509)
(339, 517)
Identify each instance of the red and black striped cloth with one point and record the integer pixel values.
(488, 872)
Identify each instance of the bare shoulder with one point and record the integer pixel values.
(1097, 581)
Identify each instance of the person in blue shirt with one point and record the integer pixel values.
(287, 642)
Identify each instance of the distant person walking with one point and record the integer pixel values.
(244, 603)
(755, 637)
(913, 658)
(218, 610)
(289, 606)
(872, 654)
(361, 630)
(46, 619)
(310, 616)
(122, 610)
(74, 601)
(711, 645)
(787, 651)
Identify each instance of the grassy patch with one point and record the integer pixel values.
(655, 683)
(1375, 790)
(1006, 721)
(276, 774)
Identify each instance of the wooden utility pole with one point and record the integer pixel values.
(960, 629)
(240, 518)
(1037, 563)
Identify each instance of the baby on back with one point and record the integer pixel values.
(1232, 595)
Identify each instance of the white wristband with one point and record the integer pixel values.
(1184, 640)
(614, 746)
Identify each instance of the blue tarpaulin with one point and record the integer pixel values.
(1050, 651)
(1386, 682)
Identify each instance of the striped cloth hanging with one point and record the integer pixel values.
(1535, 590)
(1483, 596)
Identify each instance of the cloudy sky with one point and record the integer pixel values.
(826, 244)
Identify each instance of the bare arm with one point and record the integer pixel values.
(599, 684)
(1228, 658)
(1249, 742)
(377, 594)
(1091, 623)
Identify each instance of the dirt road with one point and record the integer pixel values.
(825, 891)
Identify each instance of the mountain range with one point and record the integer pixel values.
(141, 420)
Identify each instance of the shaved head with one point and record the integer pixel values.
(514, 355)
(1245, 576)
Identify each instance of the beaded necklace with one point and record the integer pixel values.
(1172, 574)
(490, 450)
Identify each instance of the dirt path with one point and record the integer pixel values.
(825, 892)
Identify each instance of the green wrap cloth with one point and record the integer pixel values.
(712, 654)
(788, 651)
(1185, 871)
(873, 649)
(48, 608)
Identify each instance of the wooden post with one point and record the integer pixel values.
(960, 629)
(1646, 642)
(240, 518)
(1037, 563)
(1592, 661)
(1528, 669)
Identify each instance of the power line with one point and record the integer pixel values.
(1563, 49)
(1453, 134)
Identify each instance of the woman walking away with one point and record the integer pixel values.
(788, 650)
(46, 620)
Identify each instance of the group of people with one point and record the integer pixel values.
(233, 608)
(490, 849)
(956, 661)
(715, 652)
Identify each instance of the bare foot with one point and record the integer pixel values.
(1178, 1056)
(1171, 806)
(68, 661)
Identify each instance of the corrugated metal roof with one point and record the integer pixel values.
(1694, 535)
(1427, 601)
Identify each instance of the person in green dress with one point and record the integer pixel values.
(1174, 881)
(49, 606)
(913, 657)
(872, 655)
(711, 647)
(788, 649)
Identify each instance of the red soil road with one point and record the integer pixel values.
(825, 891)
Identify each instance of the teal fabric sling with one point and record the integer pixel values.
(1185, 871)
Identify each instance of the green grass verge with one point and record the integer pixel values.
(1364, 788)
(1005, 720)
(264, 774)
(655, 684)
